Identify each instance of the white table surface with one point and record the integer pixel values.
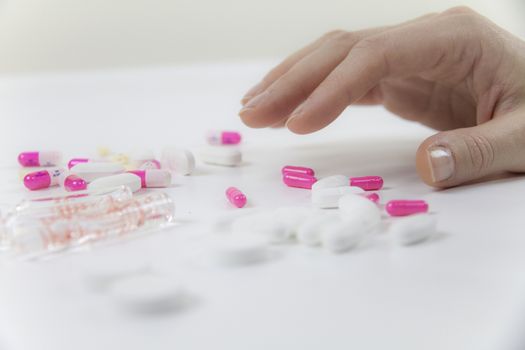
(465, 290)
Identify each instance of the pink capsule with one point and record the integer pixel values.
(153, 177)
(406, 207)
(74, 183)
(297, 170)
(76, 161)
(224, 138)
(44, 158)
(43, 179)
(374, 197)
(236, 197)
(367, 183)
(299, 180)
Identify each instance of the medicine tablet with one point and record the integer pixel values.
(93, 170)
(331, 181)
(146, 294)
(341, 236)
(240, 249)
(153, 178)
(225, 156)
(43, 179)
(309, 232)
(326, 198)
(216, 137)
(42, 158)
(413, 229)
(292, 218)
(180, 161)
(264, 224)
(126, 179)
(360, 210)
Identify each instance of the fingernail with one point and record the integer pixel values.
(251, 93)
(254, 102)
(441, 163)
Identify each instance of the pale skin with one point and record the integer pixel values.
(455, 71)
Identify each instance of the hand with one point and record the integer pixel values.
(454, 71)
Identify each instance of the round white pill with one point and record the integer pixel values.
(91, 171)
(360, 210)
(126, 179)
(326, 198)
(180, 161)
(146, 294)
(309, 232)
(331, 181)
(341, 236)
(240, 249)
(413, 229)
(221, 155)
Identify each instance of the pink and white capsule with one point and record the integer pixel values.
(297, 170)
(236, 197)
(367, 183)
(43, 179)
(43, 158)
(75, 161)
(74, 183)
(152, 178)
(223, 137)
(299, 180)
(406, 207)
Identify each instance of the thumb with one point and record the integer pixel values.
(454, 157)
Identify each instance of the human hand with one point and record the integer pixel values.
(455, 71)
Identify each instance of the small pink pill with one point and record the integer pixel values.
(76, 161)
(299, 180)
(297, 170)
(153, 177)
(374, 197)
(236, 197)
(42, 179)
(367, 183)
(43, 158)
(74, 183)
(406, 207)
(224, 137)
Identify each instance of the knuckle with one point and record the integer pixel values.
(459, 10)
(334, 34)
(481, 152)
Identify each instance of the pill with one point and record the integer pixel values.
(331, 181)
(309, 232)
(265, 224)
(297, 169)
(153, 178)
(75, 161)
(43, 179)
(146, 294)
(413, 229)
(43, 158)
(361, 211)
(326, 198)
(225, 156)
(240, 249)
(406, 207)
(74, 183)
(125, 179)
(299, 180)
(216, 137)
(374, 197)
(339, 237)
(367, 183)
(292, 218)
(180, 161)
(93, 170)
(236, 197)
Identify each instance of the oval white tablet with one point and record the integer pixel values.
(341, 236)
(238, 249)
(125, 179)
(328, 197)
(221, 155)
(309, 232)
(180, 161)
(93, 170)
(362, 210)
(413, 229)
(331, 181)
(146, 293)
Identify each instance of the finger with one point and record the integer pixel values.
(454, 157)
(293, 87)
(402, 51)
(283, 67)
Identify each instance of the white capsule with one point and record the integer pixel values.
(328, 197)
(341, 236)
(147, 294)
(361, 211)
(217, 155)
(413, 229)
(180, 161)
(309, 232)
(126, 179)
(93, 170)
(331, 181)
(240, 249)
